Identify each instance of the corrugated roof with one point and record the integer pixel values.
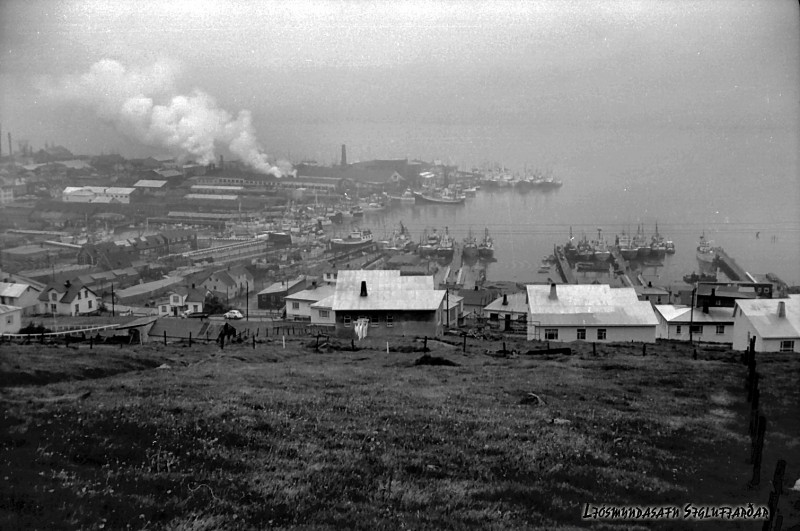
(212, 196)
(14, 290)
(321, 292)
(589, 304)
(149, 183)
(386, 290)
(763, 314)
(6, 308)
(277, 287)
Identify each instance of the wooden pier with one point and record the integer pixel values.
(729, 266)
(562, 264)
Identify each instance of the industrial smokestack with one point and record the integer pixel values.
(781, 309)
(221, 163)
(10, 149)
(553, 294)
(344, 155)
(363, 288)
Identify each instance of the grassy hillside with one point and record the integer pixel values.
(176, 438)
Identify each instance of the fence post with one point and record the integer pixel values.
(754, 412)
(254, 342)
(190, 339)
(464, 347)
(425, 344)
(757, 450)
(91, 342)
(165, 338)
(644, 349)
(594, 348)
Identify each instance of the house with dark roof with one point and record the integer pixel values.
(68, 299)
(510, 311)
(272, 297)
(219, 283)
(106, 255)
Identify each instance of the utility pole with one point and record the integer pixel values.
(247, 301)
(113, 309)
(691, 315)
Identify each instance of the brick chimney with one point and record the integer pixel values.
(781, 309)
(553, 294)
(505, 299)
(363, 288)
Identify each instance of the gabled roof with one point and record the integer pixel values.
(589, 304)
(149, 183)
(12, 290)
(316, 294)
(279, 287)
(386, 290)
(5, 308)
(763, 315)
(682, 314)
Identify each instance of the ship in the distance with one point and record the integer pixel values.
(486, 246)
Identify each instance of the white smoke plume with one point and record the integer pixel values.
(186, 125)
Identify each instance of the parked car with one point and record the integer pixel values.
(234, 314)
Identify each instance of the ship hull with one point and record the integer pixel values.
(421, 199)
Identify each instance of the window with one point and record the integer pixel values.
(90, 305)
(164, 309)
(697, 329)
(77, 309)
(376, 321)
(720, 329)
(176, 299)
(195, 308)
(601, 333)
(52, 308)
(323, 313)
(53, 296)
(79, 295)
(295, 306)
(389, 320)
(551, 333)
(347, 320)
(10, 319)
(493, 316)
(678, 329)
(581, 333)
(787, 346)
(522, 318)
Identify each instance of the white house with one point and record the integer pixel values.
(97, 194)
(181, 300)
(24, 296)
(385, 304)
(10, 319)
(322, 312)
(775, 323)
(709, 324)
(508, 309)
(589, 312)
(70, 299)
(299, 305)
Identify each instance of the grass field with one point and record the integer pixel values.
(198, 438)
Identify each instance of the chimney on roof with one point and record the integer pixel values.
(221, 162)
(705, 306)
(526, 296)
(781, 309)
(363, 288)
(713, 301)
(344, 155)
(553, 294)
(505, 299)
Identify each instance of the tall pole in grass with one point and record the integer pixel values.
(691, 315)
(247, 301)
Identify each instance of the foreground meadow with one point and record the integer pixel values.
(198, 438)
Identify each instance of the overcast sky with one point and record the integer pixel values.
(425, 62)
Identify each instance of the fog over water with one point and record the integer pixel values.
(684, 113)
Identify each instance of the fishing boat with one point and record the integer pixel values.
(429, 245)
(279, 237)
(356, 239)
(446, 246)
(357, 212)
(585, 251)
(626, 247)
(486, 246)
(706, 255)
(601, 251)
(445, 197)
(470, 246)
(472, 191)
(405, 197)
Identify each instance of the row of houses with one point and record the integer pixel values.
(564, 313)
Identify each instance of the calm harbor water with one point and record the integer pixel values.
(740, 188)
